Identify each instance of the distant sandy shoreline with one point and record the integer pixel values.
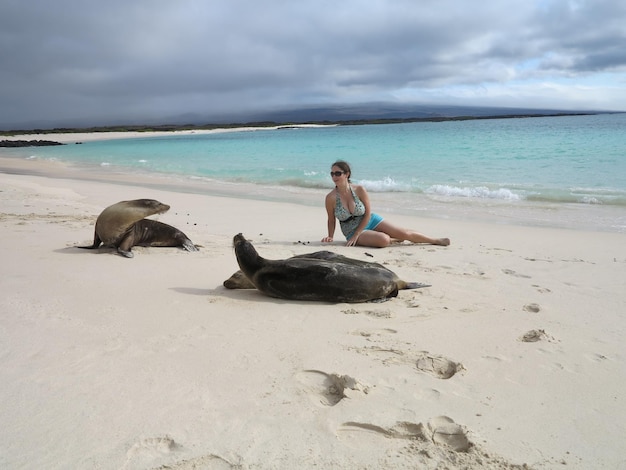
(74, 137)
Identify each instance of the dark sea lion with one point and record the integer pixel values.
(321, 276)
(148, 232)
(123, 226)
(239, 280)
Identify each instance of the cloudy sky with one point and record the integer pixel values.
(124, 61)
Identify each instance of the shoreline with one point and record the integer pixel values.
(149, 362)
(77, 137)
(571, 216)
(522, 212)
(170, 129)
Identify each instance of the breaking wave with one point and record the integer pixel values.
(481, 192)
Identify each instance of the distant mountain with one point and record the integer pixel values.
(374, 111)
(304, 114)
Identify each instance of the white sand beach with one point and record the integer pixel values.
(74, 137)
(146, 363)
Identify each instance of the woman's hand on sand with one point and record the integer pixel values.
(327, 240)
(353, 240)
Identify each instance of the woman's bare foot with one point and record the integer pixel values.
(442, 242)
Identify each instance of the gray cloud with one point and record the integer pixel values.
(120, 61)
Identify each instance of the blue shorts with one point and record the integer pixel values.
(375, 219)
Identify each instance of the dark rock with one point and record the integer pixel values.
(28, 143)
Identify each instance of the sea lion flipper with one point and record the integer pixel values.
(126, 244)
(239, 281)
(126, 253)
(188, 245)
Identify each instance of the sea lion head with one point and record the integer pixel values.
(247, 257)
(151, 206)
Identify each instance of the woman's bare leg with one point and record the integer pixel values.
(373, 239)
(410, 235)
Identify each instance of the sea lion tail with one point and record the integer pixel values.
(96, 243)
(412, 285)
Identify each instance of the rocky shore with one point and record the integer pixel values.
(28, 143)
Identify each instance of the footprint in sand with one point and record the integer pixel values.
(514, 273)
(533, 308)
(533, 336)
(375, 332)
(328, 389)
(499, 249)
(440, 443)
(412, 303)
(442, 431)
(437, 366)
(371, 313)
(206, 462)
(152, 446)
(364, 435)
(596, 357)
(445, 432)
(427, 394)
(401, 430)
(387, 355)
(151, 450)
(378, 313)
(543, 290)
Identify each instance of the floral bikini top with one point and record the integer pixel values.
(343, 214)
(349, 221)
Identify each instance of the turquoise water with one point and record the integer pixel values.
(554, 160)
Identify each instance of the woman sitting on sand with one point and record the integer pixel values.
(350, 204)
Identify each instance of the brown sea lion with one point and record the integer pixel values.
(320, 276)
(123, 225)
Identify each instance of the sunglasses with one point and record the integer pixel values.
(336, 173)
